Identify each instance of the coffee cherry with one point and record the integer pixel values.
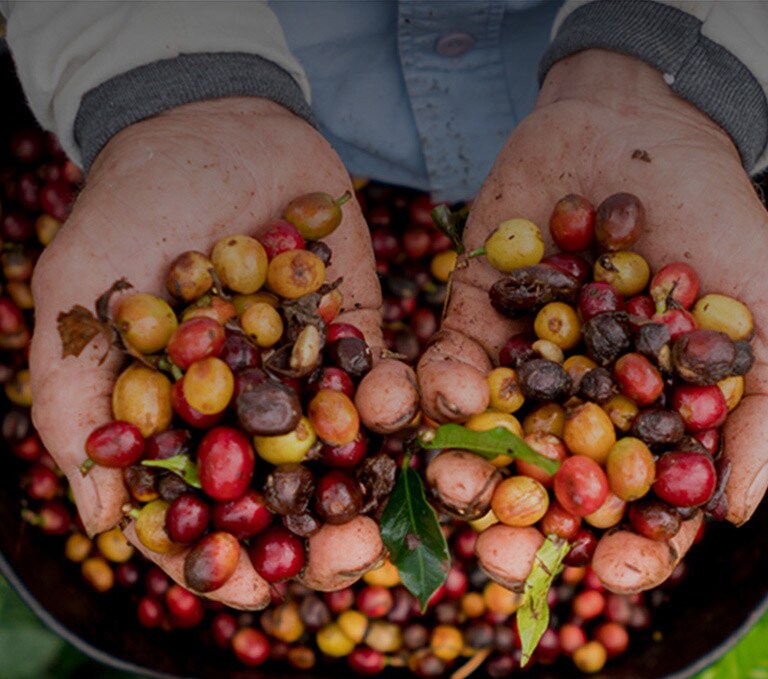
(168, 443)
(194, 340)
(724, 314)
(638, 379)
(146, 322)
(150, 528)
(608, 514)
(685, 478)
(208, 385)
(280, 236)
(338, 498)
(513, 244)
(580, 485)
(266, 408)
(598, 298)
(559, 522)
(549, 418)
(334, 417)
(547, 445)
(262, 324)
(285, 448)
(558, 323)
(572, 223)
(677, 281)
(700, 407)
(211, 562)
(225, 463)
(40, 483)
(277, 554)
(250, 646)
(520, 501)
(315, 215)
(240, 263)
(115, 444)
(187, 518)
(189, 276)
(630, 469)
(654, 519)
(295, 273)
(619, 221)
(347, 455)
(588, 431)
(244, 516)
(627, 272)
(288, 489)
(142, 397)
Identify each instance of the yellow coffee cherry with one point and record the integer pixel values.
(723, 313)
(472, 604)
(142, 396)
(499, 599)
(98, 574)
(150, 528)
(577, 366)
(548, 350)
(19, 389)
(263, 324)
(240, 263)
(208, 385)
(333, 642)
(589, 431)
(513, 244)
(622, 411)
(490, 420)
(286, 448)
(384, 637)
(733, 390)
(243, 302)
(77, 547)
(146, 322)
(442, 265)
(626, 271)
(446, 642)
(114, 546)
(485, 521)
(354, 625)
(559, 323)
(504, 388)
(548, 417)
(590, 657)
(519, 501)
(283, 622)
(385, 575)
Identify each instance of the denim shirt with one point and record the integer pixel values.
(419, 93)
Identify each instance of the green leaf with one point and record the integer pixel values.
(181, 465)
(488, 444)
(747, 660)
(451, 224)
(411, 532)
(533, 614)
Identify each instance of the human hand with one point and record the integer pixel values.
(180, 181)
(595, 109)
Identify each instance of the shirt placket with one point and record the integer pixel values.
(451, 58)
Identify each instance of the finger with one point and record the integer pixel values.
(339, 555)
(451, 378)
(627, 562)
(387, 398)
(245, 590)
(507, 553)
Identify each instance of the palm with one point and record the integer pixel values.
(701, 208)
(177, 182)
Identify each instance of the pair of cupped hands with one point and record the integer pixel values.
(184, 178)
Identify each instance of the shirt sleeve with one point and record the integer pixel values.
(89, 69)
(714, 54)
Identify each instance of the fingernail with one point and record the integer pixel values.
(756, 491)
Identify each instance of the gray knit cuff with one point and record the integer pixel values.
(696, 68)
(147, 90)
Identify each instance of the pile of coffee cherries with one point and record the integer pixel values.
(625, 380)
(362, 629)
(259, 366)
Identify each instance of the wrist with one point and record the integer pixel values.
(624, 86)
(211, 122)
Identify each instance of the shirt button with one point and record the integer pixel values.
(454, 44)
